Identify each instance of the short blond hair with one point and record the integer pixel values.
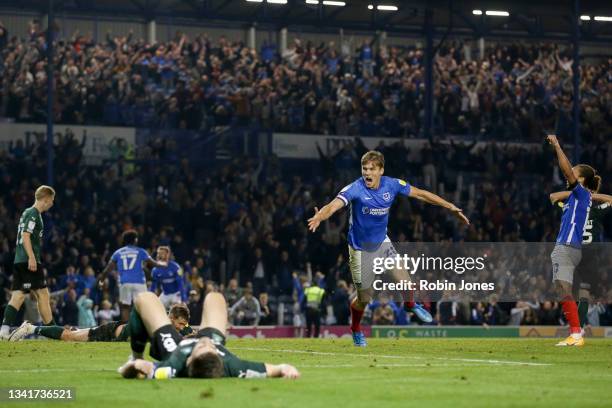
(43, 192)
(375, 157)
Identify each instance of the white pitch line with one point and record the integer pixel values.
(434, 365)
(323, 353)
(55, 370)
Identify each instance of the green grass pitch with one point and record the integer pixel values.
(388, 373)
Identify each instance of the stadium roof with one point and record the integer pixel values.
(538, 19)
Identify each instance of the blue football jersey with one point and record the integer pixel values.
(575, 213)
(369, 210)
(129, 261)
(169, 278)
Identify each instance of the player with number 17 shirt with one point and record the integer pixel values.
(129, 261)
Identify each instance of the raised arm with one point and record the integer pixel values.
(564, 163)
(434, 199)
(324, 213)
(559, 196)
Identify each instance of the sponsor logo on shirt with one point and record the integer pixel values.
(375, 211)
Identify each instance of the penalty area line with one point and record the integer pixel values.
(329, 353)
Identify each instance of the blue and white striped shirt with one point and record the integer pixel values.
(575, 213)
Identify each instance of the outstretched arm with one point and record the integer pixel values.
(604, 198)
(559, 196)
(434, 199)
(564, 163)
(324, 213)
(282, 370)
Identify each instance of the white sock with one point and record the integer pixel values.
(5, 329)
(577, 336)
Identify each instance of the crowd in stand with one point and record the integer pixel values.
(514, 91)
(240, 227)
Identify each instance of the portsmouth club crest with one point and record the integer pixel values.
(386, 196)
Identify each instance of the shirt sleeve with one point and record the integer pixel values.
(30, 224)
(605, 208)
(115, 257)
(348, 193)
(402, 187)
(235, 367)
(580, 192)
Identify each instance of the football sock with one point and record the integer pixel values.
(356, 315)
(583, 308)
(409, 304)
(10, 319)
(52, 332)
(138, 334)
(571, 314)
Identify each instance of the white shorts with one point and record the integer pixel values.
(129, 291)
(170, 299)
(363, 275)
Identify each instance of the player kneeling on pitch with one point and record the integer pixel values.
(203, 356)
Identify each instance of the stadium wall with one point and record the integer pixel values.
(263, 332)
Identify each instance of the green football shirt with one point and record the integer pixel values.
(32, 222)
(176, 364)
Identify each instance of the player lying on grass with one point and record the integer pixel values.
(582, 180)
(203, 356)
(111, 331)
(369, 199)
(593, 233)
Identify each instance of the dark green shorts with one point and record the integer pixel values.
(215, 335)
(104, 332)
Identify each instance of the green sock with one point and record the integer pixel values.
(138, 333)
(583, 309)
(10, 316)
(52, 332)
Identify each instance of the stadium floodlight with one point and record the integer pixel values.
(585, 18)
(315, 2)
(276, 1)
(603, 18)
(386, 7)
(334, 3)
(497, 13)
(383, 7)
(255, 1)
(477, 12)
